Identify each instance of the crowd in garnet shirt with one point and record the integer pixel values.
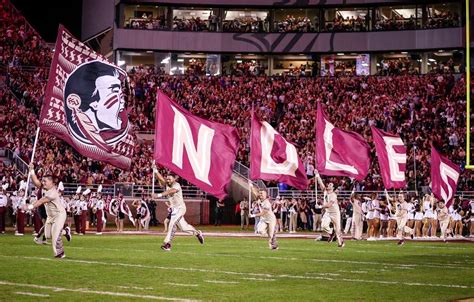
(421, 108)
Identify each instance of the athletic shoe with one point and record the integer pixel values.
(318, 238)
(35, 234)
(166, 247)
(331, 238)
(274, 247)
(68, 233)
(412, 236)
(81, 234)
(18, 234)
(200, 237)
(37, 240)
(343, 244)
(99, 233)
(45, 242)
(60, 256)
(401, 242)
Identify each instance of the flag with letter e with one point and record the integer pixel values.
(84, 103)
(200, 151)
(392, 156)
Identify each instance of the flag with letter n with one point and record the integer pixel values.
(200, 151)
(444, 177)
(84, 103)
(392, 155)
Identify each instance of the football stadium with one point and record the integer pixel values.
(236, 150)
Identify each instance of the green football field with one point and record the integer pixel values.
(132, 268)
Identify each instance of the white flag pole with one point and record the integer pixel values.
(31, 161)
(153, 181)
(250, 194)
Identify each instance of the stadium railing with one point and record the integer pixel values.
(310, 194)
(244, 171)
(131, 190)
(21, 165)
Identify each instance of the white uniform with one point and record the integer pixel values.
(471, 203)
(178, 208)
(55, 222)
(332, 214)
(401, 214)
(443, 218)
(411, 211)
(357, 219)
(428, 210)
(370, 210)
(375, 206)
(266, 224)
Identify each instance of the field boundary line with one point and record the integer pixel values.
(216, 271)
(91, 291)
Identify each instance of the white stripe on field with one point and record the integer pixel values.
(397, 266)
(257, 279)
(181, 284)
(221, 282)
(90, 291)
(262, 275)
(135, 287)
(32, 294)
(393, 265)
(323, 274)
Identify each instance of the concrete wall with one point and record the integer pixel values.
(96, 16)
(288, 42)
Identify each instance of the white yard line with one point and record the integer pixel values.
(181, 284)
(221, 282)
(31, 294)
(393, 265)
(91, 291)
(135, 287)
(245, 274)
(257, 279)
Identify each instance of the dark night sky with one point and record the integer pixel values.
(45, 16)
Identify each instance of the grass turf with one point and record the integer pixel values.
(234, 269)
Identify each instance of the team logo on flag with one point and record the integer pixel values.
(94, 104)
(84, 103)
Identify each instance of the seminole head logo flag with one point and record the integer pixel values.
(85, 103)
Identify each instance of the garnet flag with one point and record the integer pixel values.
(198, 150)
(273, 158)
(84, 104)
(444, 177)
(339, 152)
(392, 155)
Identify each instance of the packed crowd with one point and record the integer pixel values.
(422, 109)
(191, 24)
(377, 212)
(246, 25)
(396, 23)
(149, 23)
(296, 24)
(443, 19)
(347, 24)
